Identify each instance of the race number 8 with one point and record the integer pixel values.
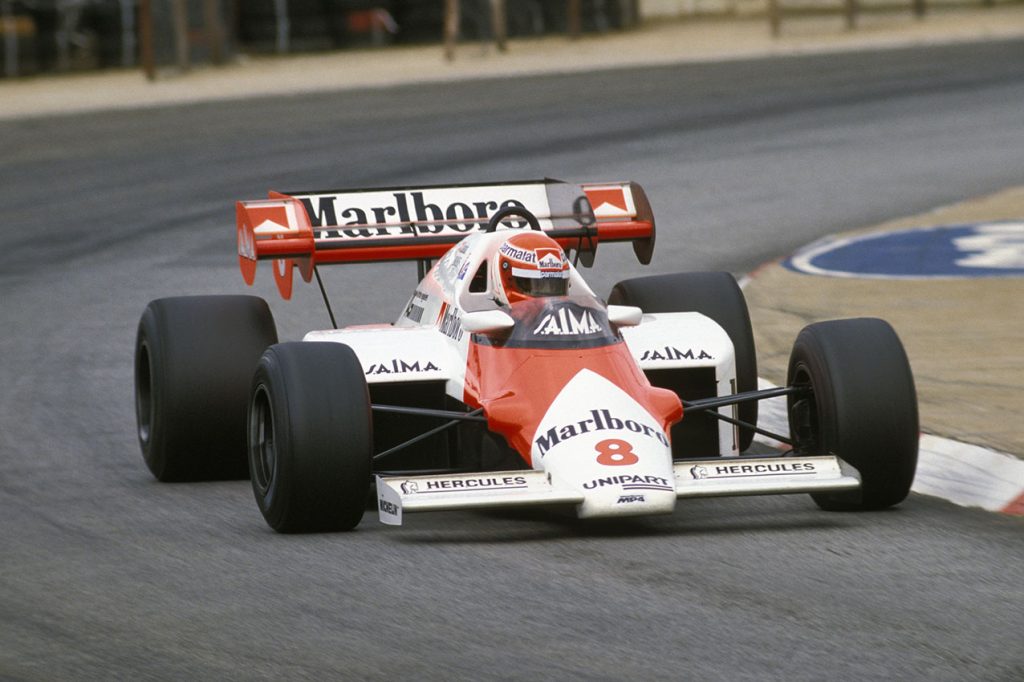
(615, 452)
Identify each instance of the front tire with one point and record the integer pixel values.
(194, 358)
(715, 295)
(310, 437)
(862, 407)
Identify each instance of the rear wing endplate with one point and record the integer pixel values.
(306, 229)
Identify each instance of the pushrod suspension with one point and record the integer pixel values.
(425, 412)
(737, 398)
(756, 429)
(427, 434)
(711, 405)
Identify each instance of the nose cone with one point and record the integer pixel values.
(595, 438)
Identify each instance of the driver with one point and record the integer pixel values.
(532, 264)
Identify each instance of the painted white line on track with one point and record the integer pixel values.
(969, 475)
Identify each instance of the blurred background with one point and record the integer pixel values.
(60, 35)
(40, 36)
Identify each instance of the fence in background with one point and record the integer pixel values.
(48, 35)
(850, 9)
(60, 35)
(491, 18)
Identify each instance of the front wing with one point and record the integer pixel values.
(718, 477)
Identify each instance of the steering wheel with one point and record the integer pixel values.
(513, 211)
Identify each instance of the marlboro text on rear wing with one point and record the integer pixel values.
(306, 229)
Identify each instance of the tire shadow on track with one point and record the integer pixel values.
(688, 521)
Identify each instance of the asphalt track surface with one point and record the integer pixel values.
(105, 573)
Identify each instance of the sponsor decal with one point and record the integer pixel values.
(388, 507)
(610, 201)
(516, 253)
(330, 214)
(269, 219)
(993, 249)
(450, 322)
(700, 472)
(600, 420)
(451, 264)
(629, 499)
(549, 259)
(673, 353)
(544, 274)
(414, 312)
(630, 482)
(400, 366)
(563, 322)
(449, 485)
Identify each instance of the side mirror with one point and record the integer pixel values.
(625, 315)
(485, 321)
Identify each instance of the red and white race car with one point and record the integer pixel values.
(505, 380)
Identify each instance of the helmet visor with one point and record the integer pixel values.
(543, 286)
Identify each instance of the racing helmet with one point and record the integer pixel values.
(532, 264)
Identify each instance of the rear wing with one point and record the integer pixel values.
(306, 229)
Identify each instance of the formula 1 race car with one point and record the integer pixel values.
(505, 380)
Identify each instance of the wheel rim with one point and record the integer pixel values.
(262, 443)
(144, 393)
(803, 413)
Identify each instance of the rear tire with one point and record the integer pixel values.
(310, 437)
(194, 358)
(715, 295)
(863, 408)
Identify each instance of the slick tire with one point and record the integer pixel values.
(310, 434)
(194, 359)
(715, 295)
(862, 407)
